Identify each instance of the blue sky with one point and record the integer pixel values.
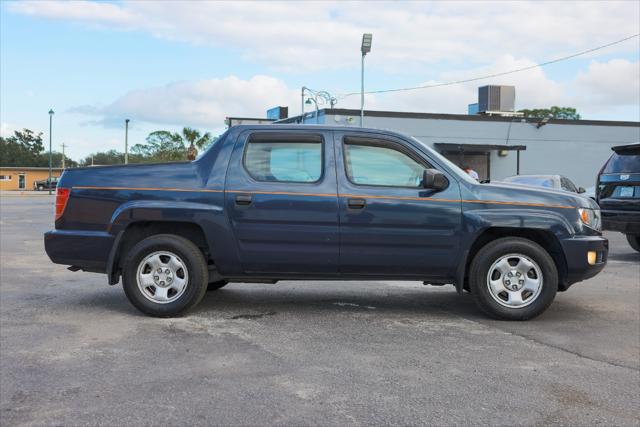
(170, 64)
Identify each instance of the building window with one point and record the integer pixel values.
(5, 177)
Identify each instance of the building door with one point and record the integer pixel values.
(479, 162)
(390, 225)
(21, 181)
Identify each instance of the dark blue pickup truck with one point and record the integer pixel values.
(277, 202)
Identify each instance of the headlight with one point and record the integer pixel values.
(590, 218)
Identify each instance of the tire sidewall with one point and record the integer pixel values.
(482, 262)
(190, 256)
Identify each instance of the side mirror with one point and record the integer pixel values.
(581, 190)
(434, 179)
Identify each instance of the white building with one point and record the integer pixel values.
(497, 147)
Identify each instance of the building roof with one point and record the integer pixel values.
(465, 117)
(30, 168)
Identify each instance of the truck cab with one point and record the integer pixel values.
(281, 202)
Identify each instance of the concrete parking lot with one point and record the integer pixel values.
(73, 351)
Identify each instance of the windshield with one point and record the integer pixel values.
(448, 163)
(623, 163)
(536, 181)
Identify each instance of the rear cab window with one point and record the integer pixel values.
(284, 158)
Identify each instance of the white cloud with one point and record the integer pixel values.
(616, 82)
(203, 103)
(206, 103)
(321, 35)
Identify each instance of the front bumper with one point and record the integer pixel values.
(578, 266)
(627, 222)
(86, 250)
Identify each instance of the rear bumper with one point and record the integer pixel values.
(575, 251)
(87, 250)
(627, 222)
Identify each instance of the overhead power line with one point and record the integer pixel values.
(504, 73)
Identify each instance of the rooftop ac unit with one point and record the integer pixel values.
(495, 98)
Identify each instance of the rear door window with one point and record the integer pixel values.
(290, 160)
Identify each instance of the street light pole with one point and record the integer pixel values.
(63, 147)
(302, 103)
(50, 154)
(364, 48)
(126, 141)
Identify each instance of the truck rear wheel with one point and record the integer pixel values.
(165, 275)
(634, 241)
(513, 279)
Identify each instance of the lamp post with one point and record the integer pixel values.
(50, 153)
(318, 97)
(364, 48)
(126, 141)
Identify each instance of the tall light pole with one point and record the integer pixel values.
(302, 103)
(63, 147)
(126, 141)
(318, 97)
(364, 48)
(50, 154)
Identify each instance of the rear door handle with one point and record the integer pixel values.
(243, 199)
(356, 203)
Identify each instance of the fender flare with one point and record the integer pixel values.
(479, 222)
(209, 217)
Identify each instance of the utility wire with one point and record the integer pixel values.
(504, 73)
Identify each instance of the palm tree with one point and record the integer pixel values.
(193, 137)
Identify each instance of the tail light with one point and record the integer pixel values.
(62, 196)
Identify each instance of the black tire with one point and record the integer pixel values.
(40, 188)
(214, 286)
(492, 252)
(634, 241)
(192, 258)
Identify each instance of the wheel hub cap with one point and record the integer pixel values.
(514, 280)
(162, 277)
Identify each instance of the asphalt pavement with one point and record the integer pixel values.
(73, 351)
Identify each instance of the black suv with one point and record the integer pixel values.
(44, 184)
(618, 192)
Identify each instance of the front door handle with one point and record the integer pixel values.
(356, 203)
(243, 199)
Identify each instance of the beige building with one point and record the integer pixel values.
(23, 178)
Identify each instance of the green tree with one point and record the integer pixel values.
(161, 146)
(25, 148)
(194, 138)
(555, 112)
(111, 157)
(21, 149)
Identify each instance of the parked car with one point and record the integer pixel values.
(618, 192)
(556, 182)
(45, 184)
(275, 202)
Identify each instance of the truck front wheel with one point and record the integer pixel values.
(165, 275)
(513, 278)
